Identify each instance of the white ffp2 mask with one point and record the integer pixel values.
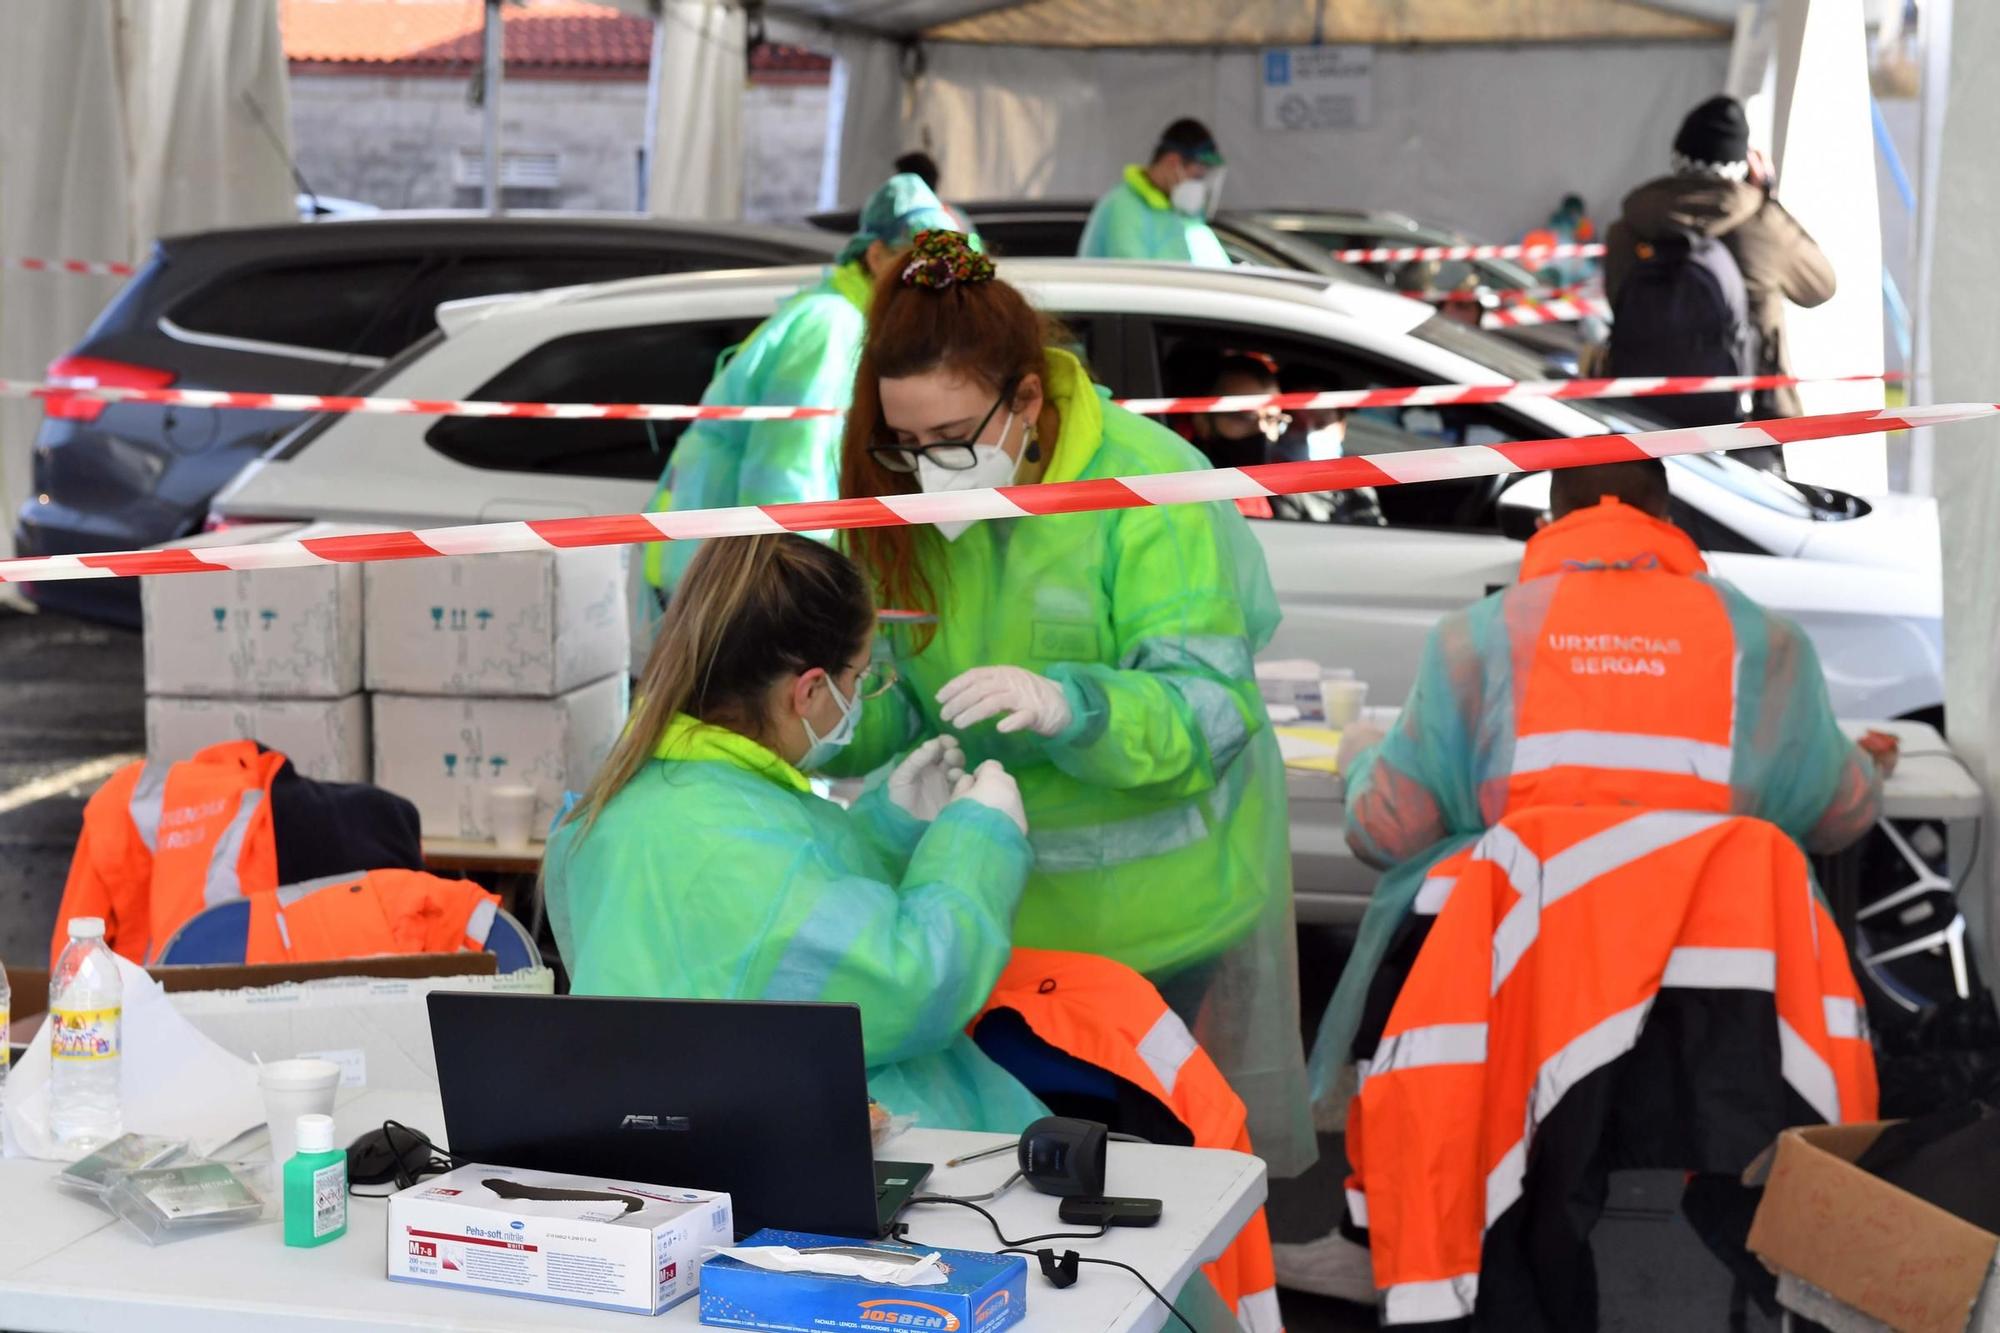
(992, 467)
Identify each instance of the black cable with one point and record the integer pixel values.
(994, 1222)
(1048, 1257)
(1113, 1263)
(442, 1160)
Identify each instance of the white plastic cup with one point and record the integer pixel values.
(510, 811)
(293, 1088)
(1343, 701)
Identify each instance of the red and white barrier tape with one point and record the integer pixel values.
(1566, 310)
(1501, 296)
(102, 268)
(1424, 395)
(1402, 254)
(1069, 497)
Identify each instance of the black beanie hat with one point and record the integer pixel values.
(1715, 132)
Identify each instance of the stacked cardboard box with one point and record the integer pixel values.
(495, 671)
(270, 655)
(485, 672)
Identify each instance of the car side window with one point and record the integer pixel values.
(660, 363)
(1191, 352)
(350, 307)
(470, 276)
(1030, 238)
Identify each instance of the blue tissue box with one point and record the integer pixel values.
(984, 1293)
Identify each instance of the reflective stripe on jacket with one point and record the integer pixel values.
(160, 842)
(367, 915)
(1615, 672)
(1106, 1015)
(1574, 938)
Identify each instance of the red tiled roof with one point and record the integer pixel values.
(551, 36)
(542, 34)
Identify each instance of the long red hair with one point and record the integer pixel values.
(985, 331)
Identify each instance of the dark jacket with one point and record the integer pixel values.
(1779, 260)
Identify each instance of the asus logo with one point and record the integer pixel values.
(679, 1124)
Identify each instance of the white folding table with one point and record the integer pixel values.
(68, 1267)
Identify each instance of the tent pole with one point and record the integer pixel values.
(653, 71)
(489, 102)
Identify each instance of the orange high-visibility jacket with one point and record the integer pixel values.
(1572, 939)
(366, 915)
(160, 842)
(1107, 1015)
(1615, 673)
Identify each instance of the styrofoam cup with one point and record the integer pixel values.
(1343, 700)
(293, 1088)
(510, 811)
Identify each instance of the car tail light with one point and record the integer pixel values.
(93, 372)
(225, 522)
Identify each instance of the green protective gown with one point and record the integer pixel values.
(1137, 221)
(802, 356)
(1413, 800)
(718, 874)
(1159, 818)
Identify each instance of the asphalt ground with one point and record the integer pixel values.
(72, 703)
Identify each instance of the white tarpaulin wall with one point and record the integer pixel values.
(700, 67)
(1965, 361)
(1485, 138)
(1825, 150)
(120, 121)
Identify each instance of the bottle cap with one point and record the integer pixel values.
(315, 1133)
(86, 927)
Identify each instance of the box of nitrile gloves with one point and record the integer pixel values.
(609, 1244)
(980, 1293)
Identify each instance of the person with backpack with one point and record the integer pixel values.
(1698, 270)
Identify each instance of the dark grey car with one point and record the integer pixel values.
(294, 309)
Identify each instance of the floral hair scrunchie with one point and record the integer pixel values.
(939, 259)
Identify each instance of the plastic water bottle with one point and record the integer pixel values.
(86, 1004)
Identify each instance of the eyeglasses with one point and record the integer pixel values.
(876, 679)
(951, 455)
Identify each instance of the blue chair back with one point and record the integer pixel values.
(217, 934)
(512, 947)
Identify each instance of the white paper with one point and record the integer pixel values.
(174, 1082)
(889, 1272)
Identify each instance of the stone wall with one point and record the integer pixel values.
(395, 141)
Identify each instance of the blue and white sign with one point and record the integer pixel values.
(1319, 87)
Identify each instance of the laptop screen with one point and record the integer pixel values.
(768, 1101)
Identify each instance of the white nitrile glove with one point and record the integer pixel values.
(1031, 702)
(991, 785)
(922, 785)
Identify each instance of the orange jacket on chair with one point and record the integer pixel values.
(1107, 1015)
(1690, 942)
(160, 842)
(367, 915)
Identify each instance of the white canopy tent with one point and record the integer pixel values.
(120, 121)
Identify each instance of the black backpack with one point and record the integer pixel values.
(1683, 310)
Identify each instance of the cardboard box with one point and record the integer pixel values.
(494, 1228)
(1861, 1239)
(534, 625)
(983, 1293)
(255, 634)
(326, 739)
(444, 754)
